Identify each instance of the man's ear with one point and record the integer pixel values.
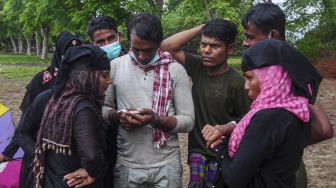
(91, 41)
(231, 48)
(119, 36)
(275, 34)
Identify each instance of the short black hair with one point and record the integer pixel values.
(266, 17)
(101, 22)
(222, 29)
(147, 27)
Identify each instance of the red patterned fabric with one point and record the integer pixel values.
(275, 91)
(162, 91)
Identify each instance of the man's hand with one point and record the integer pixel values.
(126, 121)
(132, 119)
(144, 117)
(79, 178)
(212, 135)
(3, 158)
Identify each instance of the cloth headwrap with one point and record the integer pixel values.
(56, 125)
(304, 76)
(162, 91)
(64, 41)
(275, 92)
(98, 61)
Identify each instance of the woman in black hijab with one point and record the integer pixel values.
(72, 133)
(266, 146)
(45, 79)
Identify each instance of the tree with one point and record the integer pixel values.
(11, 9)
(186, 14)
(311, 25)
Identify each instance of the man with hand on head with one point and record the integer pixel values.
(218, 91)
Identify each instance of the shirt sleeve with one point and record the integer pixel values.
(25, 133)
(10, 149)
(192, 62)
(86, 137)
(27, 129)
(241, 100)
(183, 103)
(110, 95)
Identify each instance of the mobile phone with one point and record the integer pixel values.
(134, 112)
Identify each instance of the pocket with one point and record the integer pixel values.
(137, 176)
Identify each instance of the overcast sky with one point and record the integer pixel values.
(278, 1)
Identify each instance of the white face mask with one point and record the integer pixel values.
(113, 50)
(270, 35)
(152, 61)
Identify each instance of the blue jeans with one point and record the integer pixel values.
(169, 176)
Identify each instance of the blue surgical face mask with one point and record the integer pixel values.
(113, 50)
(154, 59)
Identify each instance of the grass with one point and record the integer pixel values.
(21, 67)
(20, 72)
(21, 59)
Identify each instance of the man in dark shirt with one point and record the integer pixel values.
(218, 90)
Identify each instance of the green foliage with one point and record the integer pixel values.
(314, 21)
(235, 63)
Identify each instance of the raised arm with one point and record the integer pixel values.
(174, 43)
(321, 128)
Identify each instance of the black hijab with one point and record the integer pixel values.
(44, 80)
(98, 61)
(64, 41)
(300, 70)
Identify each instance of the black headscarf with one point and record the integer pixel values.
(64, 40)
(300, 70)
(55, 131)
(45, 79)
(98, 61)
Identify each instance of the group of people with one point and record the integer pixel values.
(110, 117)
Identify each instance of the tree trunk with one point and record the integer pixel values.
(28, 45)
(45, 33)
(37, 43)
(157, 5)
(14, 44)
(20, 44)
(207, 10)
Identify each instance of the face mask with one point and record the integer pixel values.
(270, 35)
(113, 50)
(154, 59)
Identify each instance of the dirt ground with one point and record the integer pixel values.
(320, 159)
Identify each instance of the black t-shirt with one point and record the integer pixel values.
(217, 100)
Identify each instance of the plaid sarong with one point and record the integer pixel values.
(162, 91)
(202, 171)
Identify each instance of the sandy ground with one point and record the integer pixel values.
(320, 159)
